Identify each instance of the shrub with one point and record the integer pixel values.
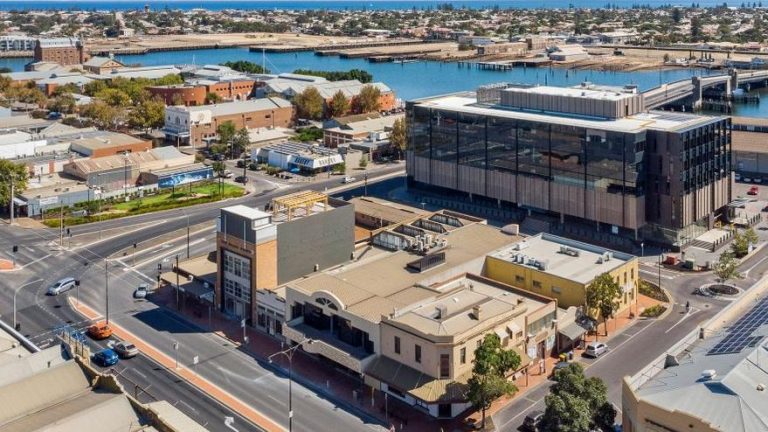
(651, 290)
(653, 311)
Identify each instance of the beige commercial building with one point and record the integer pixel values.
(407, 314)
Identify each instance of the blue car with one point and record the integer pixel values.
(105, 358)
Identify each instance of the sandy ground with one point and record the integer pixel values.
(243, 39)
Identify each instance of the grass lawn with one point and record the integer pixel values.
(165, 200)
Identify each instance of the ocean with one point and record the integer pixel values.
(101, 5)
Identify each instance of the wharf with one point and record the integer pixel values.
(276, 49)
(506, 65)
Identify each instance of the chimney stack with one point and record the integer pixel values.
(476, 312)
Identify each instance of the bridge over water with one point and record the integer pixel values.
(689, 93)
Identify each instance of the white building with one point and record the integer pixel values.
(15, 144)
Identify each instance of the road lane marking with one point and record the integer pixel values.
(136, 371)
(692, 311)
(746, 273)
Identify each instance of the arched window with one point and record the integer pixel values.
(325, 302)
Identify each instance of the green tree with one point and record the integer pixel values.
(398, 136)
(64, 103)
(103, 115)
(727, 268)
(363, 161)
(309, 104)
(696, 32)
(246, 67)
(603, 295)
(577, 403)
(11, 173)
(489, 373)
(369, 99)
(148, 114)
(94, 87)
(226, 132)
(240, 142)
(677, 15)
(339, 104)
(212, 98)
(114, 97)
(219, 168)
(742, 241)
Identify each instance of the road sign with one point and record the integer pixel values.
(195, 360)
(242, 323)
(176, 346)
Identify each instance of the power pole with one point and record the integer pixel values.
(12, 196)
(106, 278)
(61, 225)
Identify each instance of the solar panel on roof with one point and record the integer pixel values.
(740, 334)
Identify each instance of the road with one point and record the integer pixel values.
(221, 363)
(644, 341)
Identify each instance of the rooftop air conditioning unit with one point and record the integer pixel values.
(708, 374)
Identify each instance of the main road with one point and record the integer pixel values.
(42, 262)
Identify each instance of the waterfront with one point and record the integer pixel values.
(419, 79)
(327, 5)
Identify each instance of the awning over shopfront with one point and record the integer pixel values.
(572, 331)
(195, 288)
(417, 384)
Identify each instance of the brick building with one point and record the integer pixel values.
(194, 93)
(197, 125)
(64, 51)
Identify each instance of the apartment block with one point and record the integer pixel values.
(197, 125)
(589, 156)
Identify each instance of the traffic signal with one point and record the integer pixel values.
(158, 278)
(68, 232)
(15, 248)
(77, 282)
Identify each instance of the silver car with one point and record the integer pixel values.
(141, 291)
(595, 349)
(126, 349)
(61, 286)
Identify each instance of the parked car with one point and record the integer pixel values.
(141, 291)
(105, 358)
(227, 174)
(126, 349)
(758, 180)
(737, 177)
(533, 420)
(753, 190)
(62, 285)
(595, 349)
(241, 179)
(100, 330)
(746, 179)
(348, 179)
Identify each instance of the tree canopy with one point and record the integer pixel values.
(246, 67)
(310, 104)
(489, 373)
(11, 172)
(603, 294)
(148, 114)
(353, 74)
(742, 241)
(339, 104)
(576, 403)
(368, 99)
(398, 136)
(727, 267)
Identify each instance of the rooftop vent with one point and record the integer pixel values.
(476, 312)
(708, 374)
(760, 387)
(441, 311)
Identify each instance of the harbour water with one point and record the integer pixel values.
(325, 4)
(418, 79)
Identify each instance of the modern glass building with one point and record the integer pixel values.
(588, 155)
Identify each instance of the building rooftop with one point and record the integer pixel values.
(238, 107)
(383, 283)
(350, 88)
(58, 42)
(453, 309)
(369, 125)
(23, 122)
(562, 257)
(88, 142)
(720, 379)
(386, 211)
(247, 212)
(656, 120)
(596, 93)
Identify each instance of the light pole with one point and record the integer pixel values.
(178, 305)
(187, 234)
(106, 278)
(176, 353)
(288, 353)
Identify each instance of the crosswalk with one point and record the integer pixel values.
(652, 269)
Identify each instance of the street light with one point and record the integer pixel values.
(106, 278)
(288, 353)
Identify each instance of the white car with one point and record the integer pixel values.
(63, 285)
(348, 179)
(141, 291)
(746, 180)
(737, 177)
(595, 349)
(758, 180)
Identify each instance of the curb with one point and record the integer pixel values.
(297, 377)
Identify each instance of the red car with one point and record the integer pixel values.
(752, 191)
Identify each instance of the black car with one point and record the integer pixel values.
(241, 179)
(533, 420)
